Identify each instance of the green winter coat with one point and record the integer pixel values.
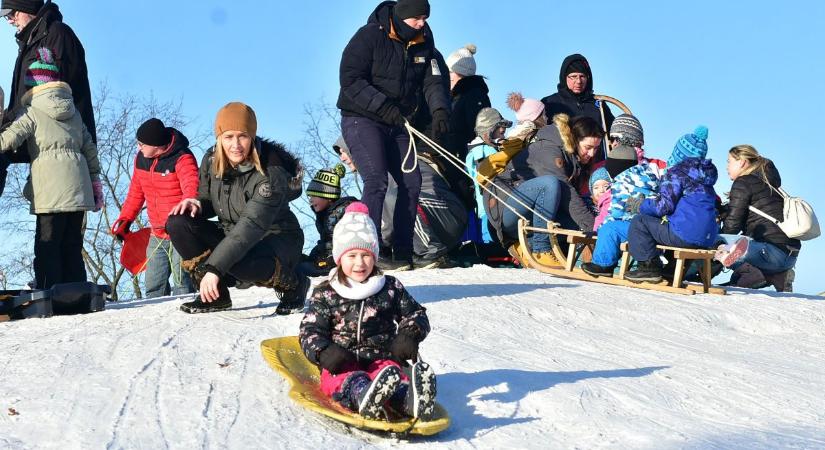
(64, 157)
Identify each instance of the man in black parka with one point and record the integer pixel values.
(387, 66)
(41, 25)
(575, 96)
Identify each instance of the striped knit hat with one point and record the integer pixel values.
(327, 183)
(628, 130)
(43, 70)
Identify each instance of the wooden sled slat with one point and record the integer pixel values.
(575, 237)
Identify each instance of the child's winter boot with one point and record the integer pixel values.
(646, 271)
(596, 270)
(420, 399)
(370, 398)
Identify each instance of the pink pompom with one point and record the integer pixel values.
(358, 207)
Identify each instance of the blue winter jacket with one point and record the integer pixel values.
(637, 181)
(687, 200)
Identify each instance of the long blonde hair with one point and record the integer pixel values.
(220, 161)
(756, 162)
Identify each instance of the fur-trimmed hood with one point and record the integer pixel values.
(274, 154)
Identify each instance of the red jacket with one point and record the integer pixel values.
(161, 183)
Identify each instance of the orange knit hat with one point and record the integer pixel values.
(238, 117)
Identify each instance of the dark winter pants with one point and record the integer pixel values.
(378, 149)
(58, 245)
(194, 236)
(646, 232)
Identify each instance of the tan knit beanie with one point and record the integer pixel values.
(238, 117)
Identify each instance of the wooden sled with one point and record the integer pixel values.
(577, 240)
(285, 356)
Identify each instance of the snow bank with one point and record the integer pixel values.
(525, 360)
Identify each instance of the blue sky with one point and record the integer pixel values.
(751, 71)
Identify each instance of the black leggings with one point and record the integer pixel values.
(58, 247)
(193, 236)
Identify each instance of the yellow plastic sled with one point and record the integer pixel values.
(285, 356)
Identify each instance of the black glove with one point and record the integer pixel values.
(633, 204)
(404, 347)
(391, 114)
(441, 123)
(335, 358)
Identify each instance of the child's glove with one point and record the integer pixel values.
(121, 228)
(633, 204)
(404, 347)
(97, 189)
(334, 358)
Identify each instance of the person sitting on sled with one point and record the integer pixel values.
(600, 182)
(683, 214)
(361, 325)
(325, 199)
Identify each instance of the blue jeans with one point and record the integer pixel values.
(542, 194)
(164, 261)
(766, 257)
(611, 236)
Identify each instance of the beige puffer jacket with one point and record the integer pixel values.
(64, 157)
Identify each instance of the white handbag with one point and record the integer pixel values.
(798, 217)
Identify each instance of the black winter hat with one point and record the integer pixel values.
(154, 132)
(578, 66)
(26, 6)
(404, 9)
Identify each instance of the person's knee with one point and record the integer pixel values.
(177, 225)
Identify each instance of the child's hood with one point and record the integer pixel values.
(699, 171)
(54, 99)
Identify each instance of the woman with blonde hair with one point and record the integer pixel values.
(762, 244)
(247, 182)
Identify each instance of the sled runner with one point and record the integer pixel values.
(285, 356)
(577, 240)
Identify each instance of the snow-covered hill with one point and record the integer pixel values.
(525, 361)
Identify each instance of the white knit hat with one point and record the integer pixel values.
(355, 230)
(462, 62)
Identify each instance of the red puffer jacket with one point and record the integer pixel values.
(161, 183)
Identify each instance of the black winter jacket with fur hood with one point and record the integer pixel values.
(251, 206)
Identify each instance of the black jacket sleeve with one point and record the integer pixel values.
(356, 71)
(437, 83)
(261, 211)
(204, 180)
(740, 199)
(70, 57)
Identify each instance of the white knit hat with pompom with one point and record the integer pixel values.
(462, 62)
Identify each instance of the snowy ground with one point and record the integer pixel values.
(525, 361)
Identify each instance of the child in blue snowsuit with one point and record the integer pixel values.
(683, 214)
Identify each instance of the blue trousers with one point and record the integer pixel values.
(164, 261)
(542, 194)
(378, 149)
(611, 236)
(766, 257)
(646, 232)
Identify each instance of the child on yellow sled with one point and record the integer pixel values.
(361, 324)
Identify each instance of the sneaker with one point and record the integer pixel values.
(198, 306)
(371, 400)
(596, 270)
(393, 264)
(733, 252)
(646, 272)
(420, 399)
(432, 263)
(292, 301)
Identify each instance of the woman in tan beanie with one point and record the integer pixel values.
(247, 182)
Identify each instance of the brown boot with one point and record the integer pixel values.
(548, 259)
(195, 267)
(518, 254)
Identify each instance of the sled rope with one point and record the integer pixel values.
(149, 258)
(457, 163)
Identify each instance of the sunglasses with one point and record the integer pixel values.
(10, 15)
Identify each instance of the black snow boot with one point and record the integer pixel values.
(782, 281)
(596, 270)
(401, 260)
(747, 276)
(370, 399)
(646, 272)
(420, 399)
(196, 306)
(292, 300)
